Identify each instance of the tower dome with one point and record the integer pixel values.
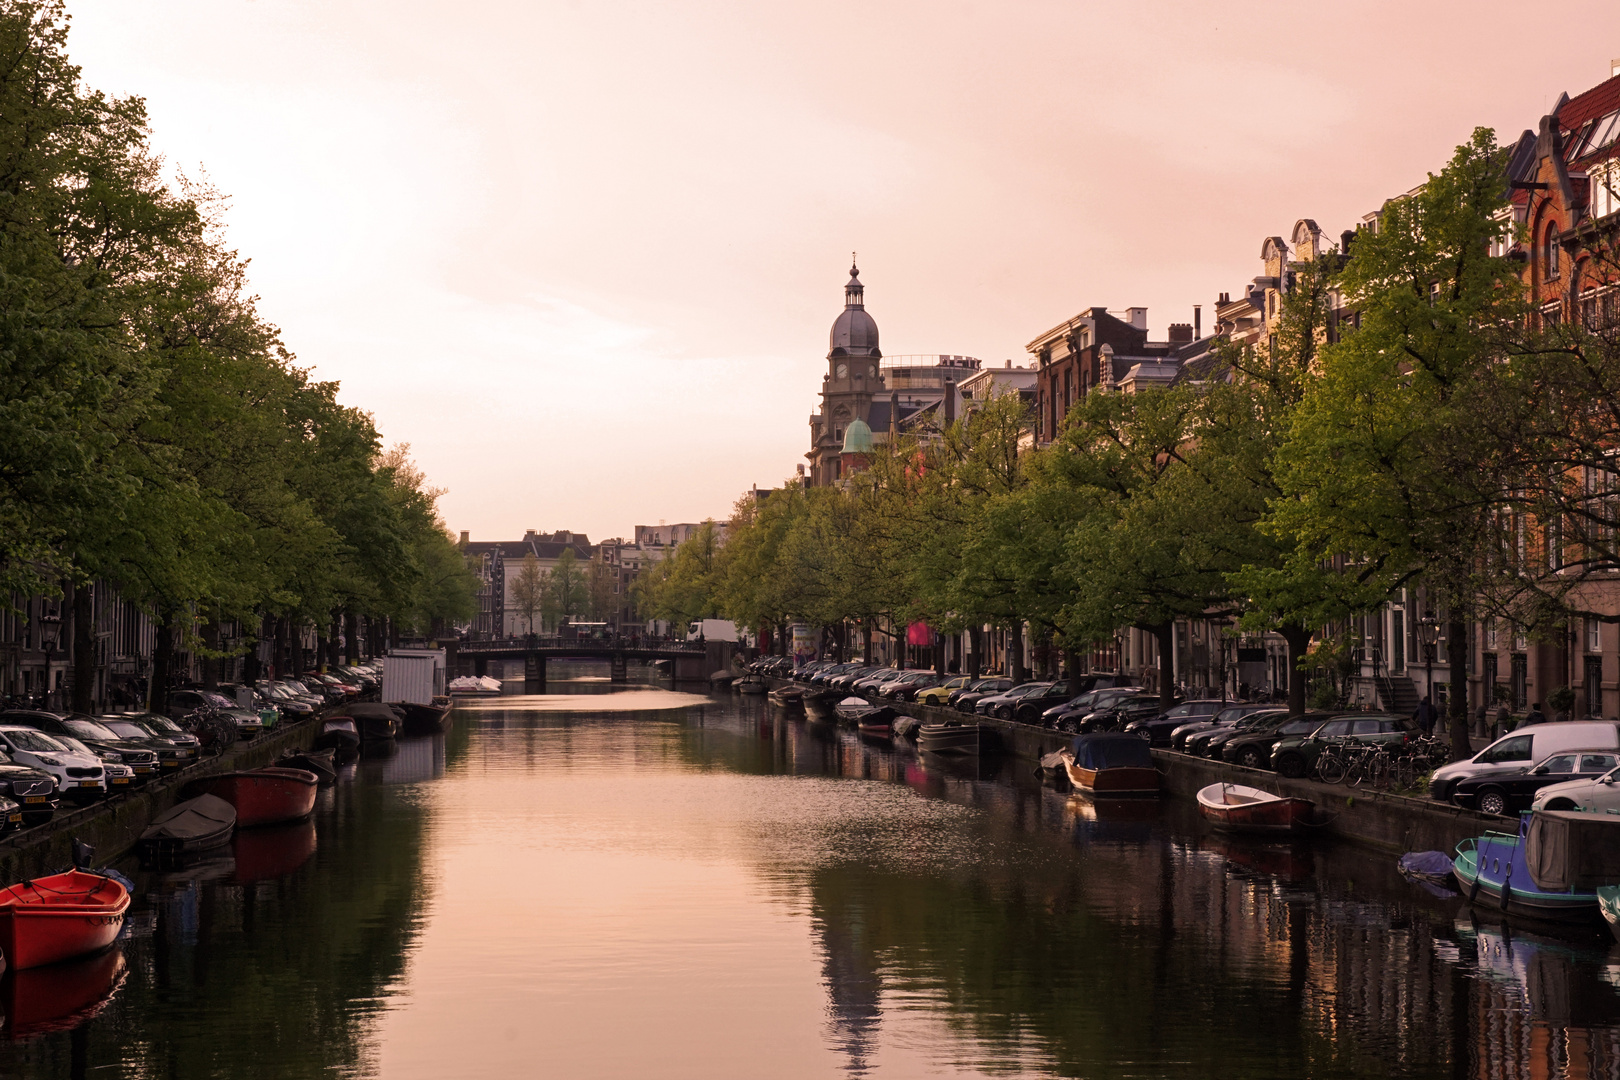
(854, 332)
(857, 437)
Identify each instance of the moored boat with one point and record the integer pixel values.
(877, 724)
(749, 684)
(58, 917)
(1551, 869)
(322, 763)
(1239, 808)
(950, 737)
(268, 796)
(341, 735)
(423, 718)
(789, 697)
(851, 709)
(375, 720)
(187, 828)
(1112, 763)
(475, 686)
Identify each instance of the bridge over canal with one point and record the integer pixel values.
(690, 661)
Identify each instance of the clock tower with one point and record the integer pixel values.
(847, 388)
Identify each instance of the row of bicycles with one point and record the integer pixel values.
(1346, 761)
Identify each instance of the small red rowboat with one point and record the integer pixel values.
(57, 917)
(1237, 808)
(262, 796)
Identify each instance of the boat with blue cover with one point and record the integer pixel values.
(1550, 869)
(1111, 763)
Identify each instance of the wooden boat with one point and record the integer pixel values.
(877, 724)
(417, 718)
(821, 702)
(950, 737)
(59, 917)
(1238, 808)
(749, 684)
(906, 727)
(62, 996)
(375, 720)
(1551, 869)
(789, 697)
(341, 735)
(268, 796)
(1112, 763)
(188, 828)
(323, 763)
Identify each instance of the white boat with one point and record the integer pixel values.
(474, 685)
(1239, 808)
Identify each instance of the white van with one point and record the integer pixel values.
(1525, 745)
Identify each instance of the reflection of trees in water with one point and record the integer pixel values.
(278, 979)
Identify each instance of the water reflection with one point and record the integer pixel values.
(727, 889)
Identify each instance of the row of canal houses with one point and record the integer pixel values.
(1565, 177)
(1565, 193)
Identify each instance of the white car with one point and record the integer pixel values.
(119, 777)
(1597, 796)
(79, 775)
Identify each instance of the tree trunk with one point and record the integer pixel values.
(162, 661)
(866, 641)
(1165, 635)
(210, 663)
(1457, 699)
(278, 653)
(975, 651)
(250, 660)
(1015, 655)
(85, 661)
(351, 637)
(1071, 664)
(1299, 639)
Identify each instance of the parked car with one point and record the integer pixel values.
(186, 702)
(1028, 709)
(1068, 714)
(1598, 795)
(1511, 788)
(1115, 712)
(1297, 755)
(11, 816)
(1001, 705)
(139, 754)
(119, 776)
(1229, 715)
(1252, 748)
(966, 700)
(1208, 743)
(1156, 729)
(941, 691)
(79, 776)
(175, 746)
(1524, 745)
(34, 789)
(907, 689)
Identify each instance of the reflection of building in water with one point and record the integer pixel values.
(850, 971)
(1542, 1010)
(418, 759)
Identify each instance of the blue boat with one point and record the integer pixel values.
(1494, 870)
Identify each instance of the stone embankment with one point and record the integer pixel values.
(113, 825)
(1382, 820)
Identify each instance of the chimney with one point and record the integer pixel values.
(950, 402)
(894, 416)
(1198, 321)
(1614, 67)
(1008, 365)
(1180, 333)
(1346, 238)
(465, 537)
(1139, 317)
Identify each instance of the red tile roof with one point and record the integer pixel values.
(1602, 99)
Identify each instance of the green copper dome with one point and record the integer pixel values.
(858, 437)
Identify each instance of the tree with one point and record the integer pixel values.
(529, 590)
(566, 594)
(1383, 466)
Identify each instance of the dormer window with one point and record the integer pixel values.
(1606, 189)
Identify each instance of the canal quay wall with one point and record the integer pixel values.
(1389, 822)
(113, 825)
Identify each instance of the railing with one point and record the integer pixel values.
(555, 641)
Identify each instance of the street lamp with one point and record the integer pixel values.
(50, 632)
(1428, 636)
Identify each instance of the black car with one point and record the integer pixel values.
(1510, 789)
(140, 755)
(967, 700)
(1233, 712)
(1209, 743)
(1028, 709)
(33, 789)
(1157, 729)
(1252, 748)
(1067, 715)
(1117, 712)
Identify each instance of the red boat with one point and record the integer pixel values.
(1237, 808)
(57, 917)
(262, 796)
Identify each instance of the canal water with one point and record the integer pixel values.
(644, 883)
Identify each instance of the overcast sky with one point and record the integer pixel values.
(583, 256)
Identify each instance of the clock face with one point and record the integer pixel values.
(843, 371)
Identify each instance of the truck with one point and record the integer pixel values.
(712, 630)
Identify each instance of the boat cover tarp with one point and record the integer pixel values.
(1432, 868)
(1570, 850)
(1111, 750)
(203, 816)
(373, 708)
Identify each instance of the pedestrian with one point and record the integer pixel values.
(1481, 719)
(1534, 716)
(1504, 723)
(1425, 716)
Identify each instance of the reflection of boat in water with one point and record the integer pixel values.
(1609, 905)
(749, 684)
(1278, 859)
(821, 702)
(1239, 808)
(273, 851)
(414, 760)
(53, 918)
(62, 996)
(789, 697)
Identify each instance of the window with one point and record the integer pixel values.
(1594, 635)
(1605, 189)
(1597, 763)
(1516, 748)
(1334, 729)
(1563, 763)
(1549, 253)
(1365, 727)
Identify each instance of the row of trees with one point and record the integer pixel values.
(1413, 421)
(158, 434)
(567, 590)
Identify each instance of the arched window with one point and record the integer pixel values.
(1549, 256)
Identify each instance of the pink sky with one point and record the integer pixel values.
(584, 255)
